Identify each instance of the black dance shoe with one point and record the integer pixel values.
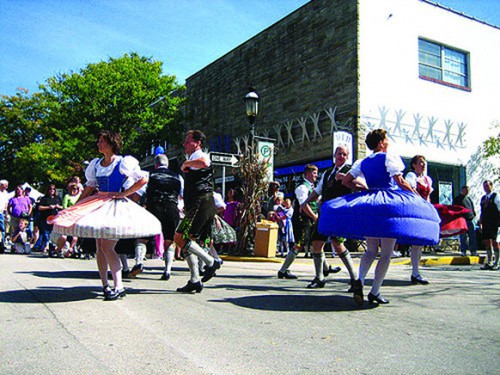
(358, 292)
(191, 287)
(107, 291)
(330, 270)
(316, 284)
(286, 275)
(377, 298)
(418, 280)
(137, 269)
(165, 276)
(115, 294)
(210, 271)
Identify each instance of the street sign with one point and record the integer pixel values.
(227, 160)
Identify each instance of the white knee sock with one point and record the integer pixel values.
(140, 252)
(386, 249)
(368, 257)
(197, 250)
(169, 258)
(319, 260)
(416, 253)
(290, 257)
(192, 261)
(345, 257)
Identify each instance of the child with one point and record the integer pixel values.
(283, 216)
(289, 237)
(21, 238)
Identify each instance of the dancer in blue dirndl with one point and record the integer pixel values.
(389, 211)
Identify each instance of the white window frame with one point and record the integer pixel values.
(443, 48)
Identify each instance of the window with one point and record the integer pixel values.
(442, 64)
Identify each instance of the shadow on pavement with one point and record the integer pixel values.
(298, 302)
(70, 294)
(65, 274)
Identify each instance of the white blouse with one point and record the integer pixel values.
(393, 164)
(412, 179)
(129, 167)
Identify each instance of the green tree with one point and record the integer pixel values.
(492, 144)
(129, 94)
(21, 122)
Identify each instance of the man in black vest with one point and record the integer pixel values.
(330, 187)
(199, 211)
(489, 221)
(464, 200)
(162, 196)
(304, 220)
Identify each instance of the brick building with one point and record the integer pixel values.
(424, 72)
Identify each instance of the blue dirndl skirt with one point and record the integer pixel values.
(383, 213)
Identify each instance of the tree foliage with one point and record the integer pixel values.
(46, 136)
(492, 144)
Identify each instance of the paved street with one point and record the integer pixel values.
(246, 321)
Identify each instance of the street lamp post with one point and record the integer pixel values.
(252, 108)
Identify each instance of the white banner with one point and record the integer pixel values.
(265, 153)
(343, 139)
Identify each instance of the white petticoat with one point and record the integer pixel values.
(111, 219)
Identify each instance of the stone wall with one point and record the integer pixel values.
(305, 70)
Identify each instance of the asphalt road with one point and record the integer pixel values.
(246, 321)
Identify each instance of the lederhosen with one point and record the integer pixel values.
(199, 204)
(331, 189)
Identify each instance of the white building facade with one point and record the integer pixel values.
(429, 75)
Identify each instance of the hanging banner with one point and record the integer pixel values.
(265, 153)
(343, 139)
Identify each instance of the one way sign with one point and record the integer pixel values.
(227, 160)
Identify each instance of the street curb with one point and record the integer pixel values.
(445, 261)
(234, 258)
(427, 261)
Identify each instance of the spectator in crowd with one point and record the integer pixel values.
(4, 200)
(232, 206)
(49, 205)
(467, 240)
(73, 195)
(21, 237)
(489, 221)
(76, 180)
(19, 207)
(272, 193)
(69, 200)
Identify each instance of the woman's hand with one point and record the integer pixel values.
(106, 194)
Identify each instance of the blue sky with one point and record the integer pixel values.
(41, 38)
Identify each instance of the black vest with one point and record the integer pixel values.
(164, 186)
(333, 188)
(198, 182)
(489, 211)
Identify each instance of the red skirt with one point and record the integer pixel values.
(452, 219)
